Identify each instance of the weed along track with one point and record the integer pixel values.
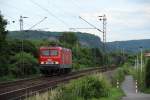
(23, 88)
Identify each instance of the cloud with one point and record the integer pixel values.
(124, 17)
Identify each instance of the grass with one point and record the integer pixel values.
(139, 76)
(116, 94)
(119, 76)
(147, 91)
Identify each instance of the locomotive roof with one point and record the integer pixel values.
(54, 47)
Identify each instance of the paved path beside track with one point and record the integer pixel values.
(129, 89)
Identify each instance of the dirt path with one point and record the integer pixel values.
(128, 87)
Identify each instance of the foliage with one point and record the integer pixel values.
(3, 32)
(116, 94)
(138, 75)
(120, 73)
(3, 55)
(88, 87)
(68, 37)
(85, 39)
(16, 46)
(118, 76)
(117, 58)
(24, 64)
(84, 88)
(97, 56)
(92, 87)
(147, 74)
(131, 46)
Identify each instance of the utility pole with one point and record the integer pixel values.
(21, 22)
(103, 19)
(22, 48)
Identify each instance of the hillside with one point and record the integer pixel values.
(85, 39)
(130, 46)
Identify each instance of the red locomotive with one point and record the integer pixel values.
(55, 60)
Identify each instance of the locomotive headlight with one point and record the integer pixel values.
(56, 62)
(42, 62)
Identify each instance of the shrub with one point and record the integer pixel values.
(16, 45)
(93, 87)
(147, 74)
(118, 75)
(88, 87)
(26, 59)
(69, 37)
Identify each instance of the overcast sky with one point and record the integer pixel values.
(126, 19)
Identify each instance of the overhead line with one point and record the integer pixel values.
(37, 23)
(64, 12)
(91, 24)
(49, 12)
(80, 28)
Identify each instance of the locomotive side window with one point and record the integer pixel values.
(53, 52)
(45, 52)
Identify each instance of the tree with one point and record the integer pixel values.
(69, 37)
(147, 76)
(3, 32)
(97, 56)
(3, 47)
(24, 64)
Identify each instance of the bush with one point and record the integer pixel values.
(93, 87)
(76, 66)
(4, 65)
(69, 38)
(85, 88)
(16, 45)
(147, 74)
(119, 75)
(29, 62)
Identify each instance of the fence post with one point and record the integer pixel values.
(136, 90)
(117, 84)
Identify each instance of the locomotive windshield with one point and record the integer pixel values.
(45, 52)
(49, 52)
(53, 52)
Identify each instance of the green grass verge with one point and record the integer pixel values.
(116, 94)
(147, 91)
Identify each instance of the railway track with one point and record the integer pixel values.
(23, 88)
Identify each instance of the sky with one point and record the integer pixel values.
(126, 19)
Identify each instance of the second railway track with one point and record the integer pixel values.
(14, 90)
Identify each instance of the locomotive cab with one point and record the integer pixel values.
(55, 60)
(49, 56)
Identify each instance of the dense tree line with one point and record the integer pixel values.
(12, 57)
(3, 43)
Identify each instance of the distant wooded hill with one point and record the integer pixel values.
(85, 39)
(130, 46)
